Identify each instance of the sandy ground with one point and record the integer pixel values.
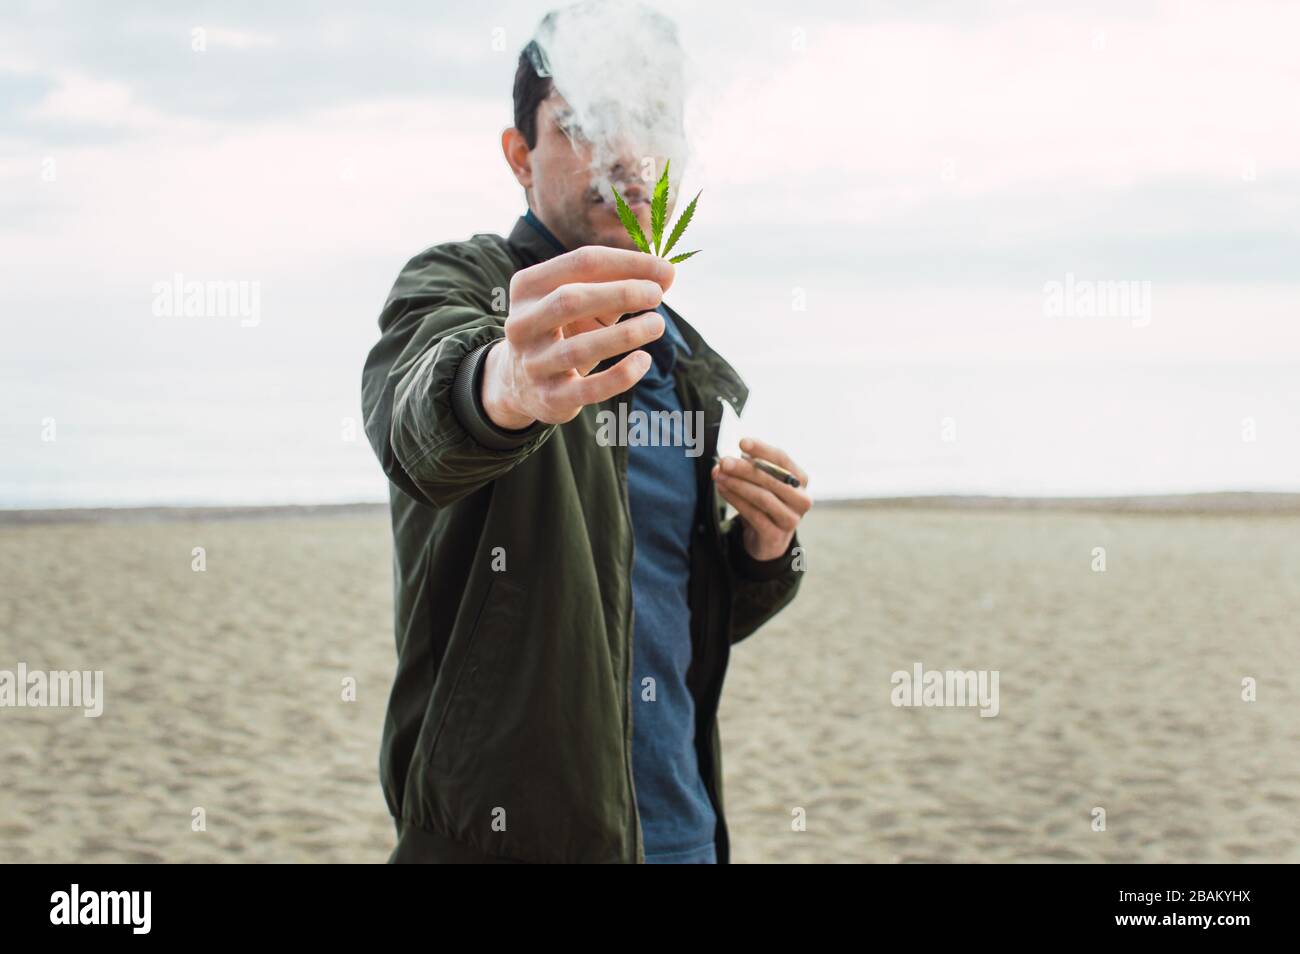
(1119, 690)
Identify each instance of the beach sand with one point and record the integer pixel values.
(1119, 690)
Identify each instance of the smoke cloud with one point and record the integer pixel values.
(619, 66)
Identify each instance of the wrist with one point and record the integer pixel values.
(762, 550)
(752, 568)
(495, 392)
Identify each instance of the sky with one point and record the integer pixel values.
(885, 187)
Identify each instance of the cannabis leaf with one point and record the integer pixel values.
(659, 207)
(682, 221)
(658, 213)
(630, 223)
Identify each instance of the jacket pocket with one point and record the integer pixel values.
(471, 698)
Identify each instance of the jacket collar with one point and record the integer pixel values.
(533, 242)
(722, 377)
(531, 218)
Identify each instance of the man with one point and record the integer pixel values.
(565, 604)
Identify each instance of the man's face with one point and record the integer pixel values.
(565, 197)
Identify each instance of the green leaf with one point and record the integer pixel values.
(684, 256)
(659, 207)
(683, 220)
(630, 223)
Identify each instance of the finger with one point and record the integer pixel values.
(598, 387)
(591, 263)
(604, 301)
(795, 498)
(752, 515)
(777, 456)
(583, 352)
(766, 501)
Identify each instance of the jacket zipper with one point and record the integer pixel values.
(638, 844)
(720, 626)
(708, 631)
(715, 686)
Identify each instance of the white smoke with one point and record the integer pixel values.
(619, 66)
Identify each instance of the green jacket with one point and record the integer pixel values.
(508, 734)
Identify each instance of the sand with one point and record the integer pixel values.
(1119, 690)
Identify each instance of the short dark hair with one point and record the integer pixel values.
(530, 90)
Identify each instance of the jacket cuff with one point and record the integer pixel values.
(467, 405)
(760, 571)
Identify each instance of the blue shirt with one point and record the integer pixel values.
(678, 822)
(677, 817)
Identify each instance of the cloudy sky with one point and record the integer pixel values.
(886, 186)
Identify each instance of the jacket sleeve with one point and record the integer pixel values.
(760, 588)
(420, 387)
